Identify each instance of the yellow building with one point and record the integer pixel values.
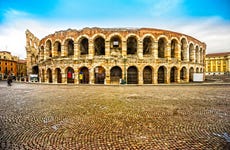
(217, 63)
(11, 64)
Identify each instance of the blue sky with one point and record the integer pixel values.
(206, 20)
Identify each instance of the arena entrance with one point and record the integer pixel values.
(70, 75)
(191, 72)
(173, 75)
(147, 75)
(115, 75)
(84, 75)
(49, 75)
(161, 74)
(58, 75)
(35, 70)
(132, 75)
(183, 74)
(99, 73)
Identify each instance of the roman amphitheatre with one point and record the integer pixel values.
(114, 55)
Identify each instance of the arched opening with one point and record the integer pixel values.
(58, 75)
(161, 47)
(191, 72)
(49, 75)
(115, 75)
(173, 74)
(35, 70)
(132, 75)
(57, 48)
(183, 49)
(197, 54)
(191, 52)
(115, 42)
(84, 75)
(43, 76)
(70, 75)
(201, 55)
(183, 72)
(173, 48)
(99, 73)
(84, 46)
(197, 70)
(147, 45)
(131, 45)
(99, 46)
(48, 48)
(162, 76)
(42, 53)
(201, 70)
(70, 47)
(147, 75)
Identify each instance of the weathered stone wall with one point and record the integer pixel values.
(105, 55)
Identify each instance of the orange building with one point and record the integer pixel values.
(8, 63)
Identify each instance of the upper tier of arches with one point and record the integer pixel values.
(113, 43)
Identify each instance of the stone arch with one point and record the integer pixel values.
(148, 45)
(99, 45)
(132, 44)
(162, 74)
(201, 70)
(116, 42)
(69, 46)
(70, 74)
(99, 75)
(83, 45)
(162, 44)
(132, 75)
(201, 55)
(174, 48)
(191, 52)
(49, 75)
(173, 74)
(183, 73)
(58, 75)
(148, 75)
(48, 48)
(43, 75)
(183, 49)
(57, 48)
(115, 75)
(197, 70)
(197, 54)
(191, 72)
(84, 75)
(41, 52)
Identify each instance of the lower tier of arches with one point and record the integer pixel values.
(118, 74)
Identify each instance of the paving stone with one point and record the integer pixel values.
(39, 116)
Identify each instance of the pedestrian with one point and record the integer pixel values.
(9, 79)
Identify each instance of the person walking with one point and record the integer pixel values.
(9, 79)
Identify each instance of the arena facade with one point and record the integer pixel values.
(114, 56)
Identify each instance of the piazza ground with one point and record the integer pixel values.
(40, 116)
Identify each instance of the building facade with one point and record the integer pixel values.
(217, 63)
(11, 64)
(8, 64)
(112, 55)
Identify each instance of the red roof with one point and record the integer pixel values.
(218, 54)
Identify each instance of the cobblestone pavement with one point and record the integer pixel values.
(39, 116)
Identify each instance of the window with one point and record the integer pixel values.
(0, 69)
